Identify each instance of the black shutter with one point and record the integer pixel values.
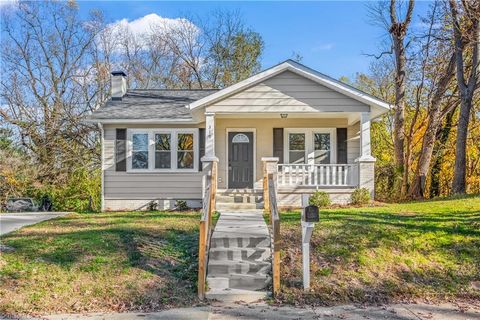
(121, 150)
(278, 144)
(201, 146)
(341, 145)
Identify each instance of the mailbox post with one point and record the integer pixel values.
(309, 217)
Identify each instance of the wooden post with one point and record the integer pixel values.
(275, 222)
(276, 257)
(213, 192)
(266, 200)
(269, 167)
(202, 260)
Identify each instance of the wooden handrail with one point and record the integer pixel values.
(206, 227)
(275, 224)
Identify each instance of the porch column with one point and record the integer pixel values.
(366, 163)
(210, 134)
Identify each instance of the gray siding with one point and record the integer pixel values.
(145, 186)
(353, 142)
(289, 92)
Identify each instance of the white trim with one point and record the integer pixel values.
(142, 121)
(254, 130)
(102, 146)
(151, 149)
(298, 69)
(310, 143)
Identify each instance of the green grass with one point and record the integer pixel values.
(101, 262)
(401, 252)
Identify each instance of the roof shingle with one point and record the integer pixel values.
(151, 104)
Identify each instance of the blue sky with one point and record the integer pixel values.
(332, 37)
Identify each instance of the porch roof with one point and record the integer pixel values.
(377, 105)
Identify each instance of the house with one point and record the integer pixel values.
(312, 129)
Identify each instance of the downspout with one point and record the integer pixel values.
(102, 206)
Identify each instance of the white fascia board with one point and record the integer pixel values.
(146, 121)
(298, 69)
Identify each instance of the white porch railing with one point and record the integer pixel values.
(317, 175)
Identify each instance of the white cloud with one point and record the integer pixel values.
(8, 4)
(323, 47)
(151, 24)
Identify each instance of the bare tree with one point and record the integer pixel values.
(45, 67)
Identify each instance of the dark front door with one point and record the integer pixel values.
(240, 160)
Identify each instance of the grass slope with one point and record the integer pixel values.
(420, 250)
(101, 262)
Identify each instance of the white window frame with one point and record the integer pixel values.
(310, 143)
(173, 152)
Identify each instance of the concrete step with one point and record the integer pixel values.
(235, 254)
(234, 295)
(229, 206)
(237, 241)
(229, 192)
(239, 198)
(253, 282)
(238, 267)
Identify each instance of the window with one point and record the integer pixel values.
(162, 150)
(296, 147)
(240, 138)
(163, 153)
(310, 145)
(185, 154)
(322, 147)
(140, 151)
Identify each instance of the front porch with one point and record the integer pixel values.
(304, 152)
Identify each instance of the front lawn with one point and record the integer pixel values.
(101, 262)
(413, 251)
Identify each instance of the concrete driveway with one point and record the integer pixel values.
(13, 221)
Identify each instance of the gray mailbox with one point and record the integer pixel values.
(310, 214)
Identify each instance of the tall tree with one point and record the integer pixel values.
(466, 34)
(398, 30)
(437, 69)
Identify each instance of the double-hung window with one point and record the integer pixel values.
(322, 148)
(185, 151)
(140, 151)
(163, 150)
(296, 147)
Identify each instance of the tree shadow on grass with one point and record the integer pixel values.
(165, 250)
(425, 256)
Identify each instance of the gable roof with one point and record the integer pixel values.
(149, 105)
(299, 69)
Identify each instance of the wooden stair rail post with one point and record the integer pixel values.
(270, 166)
(275, 222)
(208, 206)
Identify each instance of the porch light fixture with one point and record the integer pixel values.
(284, 115)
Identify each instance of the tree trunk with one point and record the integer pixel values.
(461, 147)
(398, 30)
(417, 189)
(466, 89)
(440, 152)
